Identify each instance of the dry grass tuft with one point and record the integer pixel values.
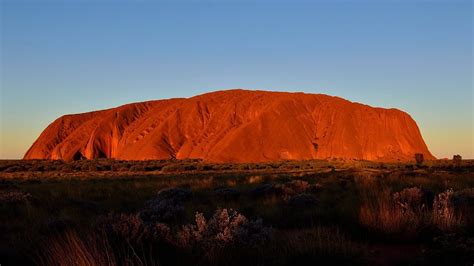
(225, 228)
(14, 197)
(445, 216)
(317, 242)
(400, 214)
(69, 249)
(255, 179)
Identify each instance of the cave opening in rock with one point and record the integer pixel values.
(78, 156)
(101, 155)
(315, 146)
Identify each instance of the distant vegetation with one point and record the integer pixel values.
(457, 159)
(107, 212)
(109, 168)
(419, 158)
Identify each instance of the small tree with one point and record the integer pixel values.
(419, 158)
(457, 160)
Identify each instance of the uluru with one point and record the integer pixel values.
(235, 126)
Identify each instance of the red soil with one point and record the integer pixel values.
(235, 126)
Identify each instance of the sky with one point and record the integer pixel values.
(65, 56)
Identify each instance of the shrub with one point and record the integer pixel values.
(92, 168)
(14, 197)
(124, 168)
(207, 167)
(137, 168)
(302, 201)
(465, 196)
(410, 199)
(464, 201)
(14, 168)
(292, 188)
(37, 168)
(419, 158)
(457, 159)
(225, 228)
(167, 206)
(262, 190)
(174, 194)
(227, 193)
(243, 167)
(67, 168)
(255, 179)
(444, 214)
(316, 188)
(399, 215)
(179, 167)
(128, 228)
(299, 185)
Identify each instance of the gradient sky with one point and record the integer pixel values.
(61, 57)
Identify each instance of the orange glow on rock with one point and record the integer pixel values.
(235, 126)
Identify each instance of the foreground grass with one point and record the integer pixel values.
(317, 212)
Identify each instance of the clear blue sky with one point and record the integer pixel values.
(62, 57)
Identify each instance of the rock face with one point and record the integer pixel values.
(235, 126)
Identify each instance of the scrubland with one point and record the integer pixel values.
(107, 212)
